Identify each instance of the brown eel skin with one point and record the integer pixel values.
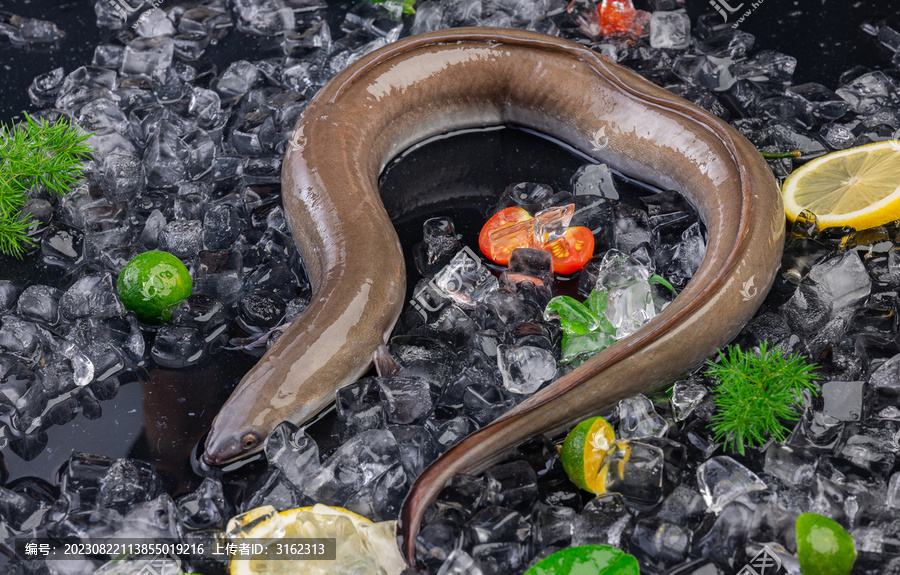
(474, 77)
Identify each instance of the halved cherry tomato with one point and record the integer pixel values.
(498, 251)
(507, 230)
(572, 251)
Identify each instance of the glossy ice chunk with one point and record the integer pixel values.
(603, 521)
(465, 280)
(842, 281)
(148, 56)
(635, 470)
(670, 30)
(439, 245)
(292, 452)
(459, 563)
(792, 465)
(525, 368)
(357, 462)
(638, 418)
(404, 399)
(686, 395)
(529, 266)
(513, 485)
(844, 400)
(722, 480)
(595, 180)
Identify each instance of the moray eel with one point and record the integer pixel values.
(474, 77)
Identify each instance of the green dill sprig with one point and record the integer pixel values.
(35, 156)
(755, 393)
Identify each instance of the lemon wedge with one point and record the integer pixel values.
(362, 546)
(858, 187)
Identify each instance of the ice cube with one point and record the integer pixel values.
(182, 238)
(512, 485)
(448, 426)
(638, 419)
(178, 347)
(868, 452)
(529, 266)
(844, 400)
(9, 293)
(45, 87)
(465, 280)
(31, 31)
(831, 500)
(292, 452)
(108, 56)
(603, 521)
(792, 465)
(439, 246)
(710, 72)
(417, 447)
(357, 462)
(205, 105)
(727, 535)
(686, 395)
(807, 311)
(595, 180)
(484, 402)
(722, 480)
(893, 492)
(148, 57)
(359, 406)
(39, 303)
(683, 506)
(275, 490)
(404, 399)
(635, 471)
(670, 30)
(204, 508)
(122, 176)
(659, 543)
(92, 295)
(436, 541)
(525, 368)
(497, 524)
(239, 78)
(265, 18)
(868, 92)
(154, 22)
(18, 335)
(630, 228)
(121, 484)
(767, 66)
(458, 562)
(381, 499)
(629, 307)
(885, 379)
(500, 308)
(499, 558)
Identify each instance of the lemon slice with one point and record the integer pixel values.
(362, 545)
(858, 187)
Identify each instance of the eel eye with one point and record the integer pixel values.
(249, 441)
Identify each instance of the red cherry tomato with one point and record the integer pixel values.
(498, 252)
(572, 251)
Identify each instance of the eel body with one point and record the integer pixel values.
(474, 77)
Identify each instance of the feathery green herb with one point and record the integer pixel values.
(34, 156)
(756, 393)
